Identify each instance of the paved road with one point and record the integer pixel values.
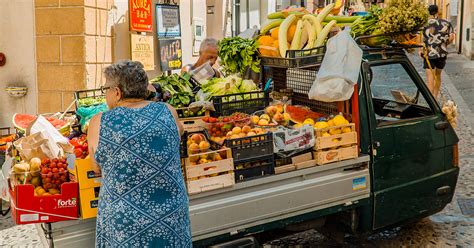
(449, 228)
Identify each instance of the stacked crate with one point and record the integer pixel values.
(335, 147)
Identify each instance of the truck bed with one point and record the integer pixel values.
(252, 203)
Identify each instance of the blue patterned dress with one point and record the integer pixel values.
(143, 200)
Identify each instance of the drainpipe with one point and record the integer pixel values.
(461, 27)
(237, 17)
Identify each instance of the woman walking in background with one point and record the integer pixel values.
(143, 200)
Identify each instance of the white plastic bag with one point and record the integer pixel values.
(4, 173)
(339, 70)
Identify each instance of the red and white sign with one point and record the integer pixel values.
(140, 15)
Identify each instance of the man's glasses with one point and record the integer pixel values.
(103, 89)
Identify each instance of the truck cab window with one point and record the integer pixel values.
(395, 95)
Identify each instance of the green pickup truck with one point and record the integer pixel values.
(407, 170)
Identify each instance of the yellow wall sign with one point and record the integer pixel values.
(142, 48)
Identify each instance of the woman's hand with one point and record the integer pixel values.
(93, 140)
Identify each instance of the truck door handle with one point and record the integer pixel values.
(443, 190)
(441, 125)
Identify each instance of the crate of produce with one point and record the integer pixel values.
(336, 154)
(89, 199)
(248, 103)
(219, 128)
(254, 168)
(192, 118)
(296, 58)
(209, 171)
(89, 97)
(251, 146)
(335, 136)
(29, 207)
(196, 142)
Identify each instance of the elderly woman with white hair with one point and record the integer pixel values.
(135, 145)
(207, 52)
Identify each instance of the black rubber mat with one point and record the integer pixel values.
(467, 206)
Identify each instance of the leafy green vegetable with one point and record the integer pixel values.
(238, 54)
(178, 86)
(90, 101)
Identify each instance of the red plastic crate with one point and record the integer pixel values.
(28, 208)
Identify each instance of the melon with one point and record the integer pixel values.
(298, 114)
(22, 121)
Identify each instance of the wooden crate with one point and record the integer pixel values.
(210, 183)
(284, 168)
(208, 176)
(335, 140)
(334, 155)
(193, 124)
(306, 164)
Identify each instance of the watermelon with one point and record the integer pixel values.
(298, 114)
(22, 121)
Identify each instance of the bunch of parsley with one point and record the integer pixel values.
(238, 54)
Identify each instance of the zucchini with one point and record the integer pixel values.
(341, 19)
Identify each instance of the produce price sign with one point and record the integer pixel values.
(167, 21)
(140, 15)
(142, 50)
(170, 54)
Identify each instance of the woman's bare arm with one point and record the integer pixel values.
(175, 115)
(93, 140)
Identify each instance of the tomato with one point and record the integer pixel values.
(61, 170)
(55, 160)
(78, 152)
(226, 119)
(44, 171)
(55, 170)
(205, 119)
(74, 142)
(45, 161)
(47, 180)
(53, 165)
(63, 178)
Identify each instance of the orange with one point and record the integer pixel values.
(266, 40)
(274, 33)
(275, 53)
(291, 33)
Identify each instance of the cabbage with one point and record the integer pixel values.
(248, 86)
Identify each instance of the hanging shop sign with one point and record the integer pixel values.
(142, 50)
(167, 21)
(140, 15)
(170, 54)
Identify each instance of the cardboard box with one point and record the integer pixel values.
(89, 199)
(28, 208)
(85, 175)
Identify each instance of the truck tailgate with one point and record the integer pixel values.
(278, 197)
(251, 203)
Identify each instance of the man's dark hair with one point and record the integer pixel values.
(433, 9)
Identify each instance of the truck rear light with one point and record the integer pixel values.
(455, 156)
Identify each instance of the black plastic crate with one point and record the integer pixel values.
(254, 168)
(93, 93)
(184, 141)
(250, 147)
(248, 103)
(296, 58)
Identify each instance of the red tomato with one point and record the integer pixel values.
(63, 178)
(205, 119)
(226, 119)
(78, 152)
(47, 180)
(53, 165)
(55, 170)
(85, 146)
(50, 174)
(61, 170)
(74, 142)
(44, 171)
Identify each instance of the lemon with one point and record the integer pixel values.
(321, 125)
(331, 123)
(346, 130)
(335, 131)
(326, 134)
(308, 121)
(339, 120)
(265, 117)
(255, 119)
(298, 125)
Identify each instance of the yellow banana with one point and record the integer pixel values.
(317, 26)
(269, 25)
(311, 34)
(295, 43)
(276, 15)
(324, 33)
(282, 34)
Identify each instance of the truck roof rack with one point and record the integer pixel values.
(392, 45)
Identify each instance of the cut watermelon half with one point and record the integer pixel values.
(298, 114)
(22, 121)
